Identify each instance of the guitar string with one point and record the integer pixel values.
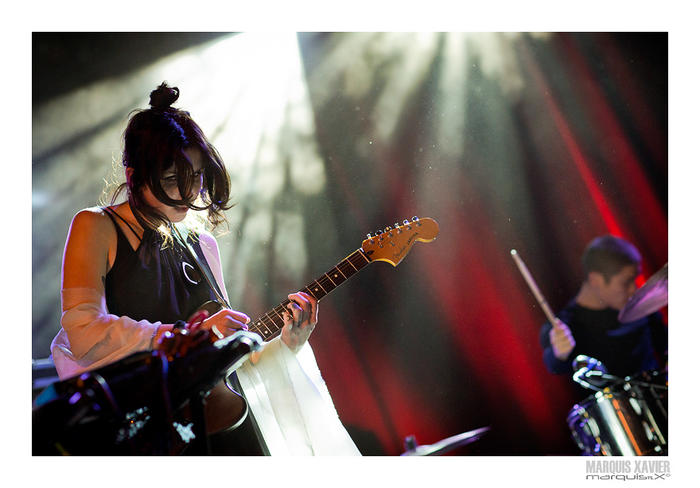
(360, 261)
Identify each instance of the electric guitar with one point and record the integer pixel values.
(226, 411)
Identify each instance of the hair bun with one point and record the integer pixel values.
(164, 96)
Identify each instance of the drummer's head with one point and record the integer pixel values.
(610, 266)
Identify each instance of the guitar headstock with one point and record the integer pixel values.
(393, 243)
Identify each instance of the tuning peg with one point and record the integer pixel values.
(396, 225)
(405, 222)
(369, 236)
(378, 232)
(415, 219)
(387, 229)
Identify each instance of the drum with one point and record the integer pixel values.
(626, 419)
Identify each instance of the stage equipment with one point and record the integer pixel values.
(43, 374)
(651, 297)
(150, 402)
(443, 446)
(625, 417)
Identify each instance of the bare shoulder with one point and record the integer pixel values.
(93, 220)
(91, 213)
(90, 243)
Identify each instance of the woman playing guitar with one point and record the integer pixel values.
(134, 269)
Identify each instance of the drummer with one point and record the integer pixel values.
(589, 323)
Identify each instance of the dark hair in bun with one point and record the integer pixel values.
(155, 140)
(164, 96)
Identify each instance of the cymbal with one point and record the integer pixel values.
(652, 296)
(448, 444)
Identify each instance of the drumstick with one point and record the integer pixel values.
(534, 288)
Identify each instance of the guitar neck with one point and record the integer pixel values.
(270, 325)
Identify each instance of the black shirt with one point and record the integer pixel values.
(155, 282)
(624, 349)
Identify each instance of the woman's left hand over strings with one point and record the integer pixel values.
(300, 320)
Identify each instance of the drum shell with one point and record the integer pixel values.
(627, 419)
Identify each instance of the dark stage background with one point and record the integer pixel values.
(538, 142)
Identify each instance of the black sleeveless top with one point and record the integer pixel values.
(152, 282)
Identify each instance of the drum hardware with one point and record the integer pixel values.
(625, 416)
(443, 446)
(587, 368)
(649, 298)
(591, 368)
(135, 406)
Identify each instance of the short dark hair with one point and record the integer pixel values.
(608, 255)
(156, 139)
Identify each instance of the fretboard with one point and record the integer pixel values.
(270, 325)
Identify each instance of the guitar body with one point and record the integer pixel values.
(224, 409)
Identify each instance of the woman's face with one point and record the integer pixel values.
(169, 183)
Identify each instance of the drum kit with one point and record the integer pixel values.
(625, 416)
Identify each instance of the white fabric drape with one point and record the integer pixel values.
(287, 395)
(291, 403)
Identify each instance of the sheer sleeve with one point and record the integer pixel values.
(91, 337)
